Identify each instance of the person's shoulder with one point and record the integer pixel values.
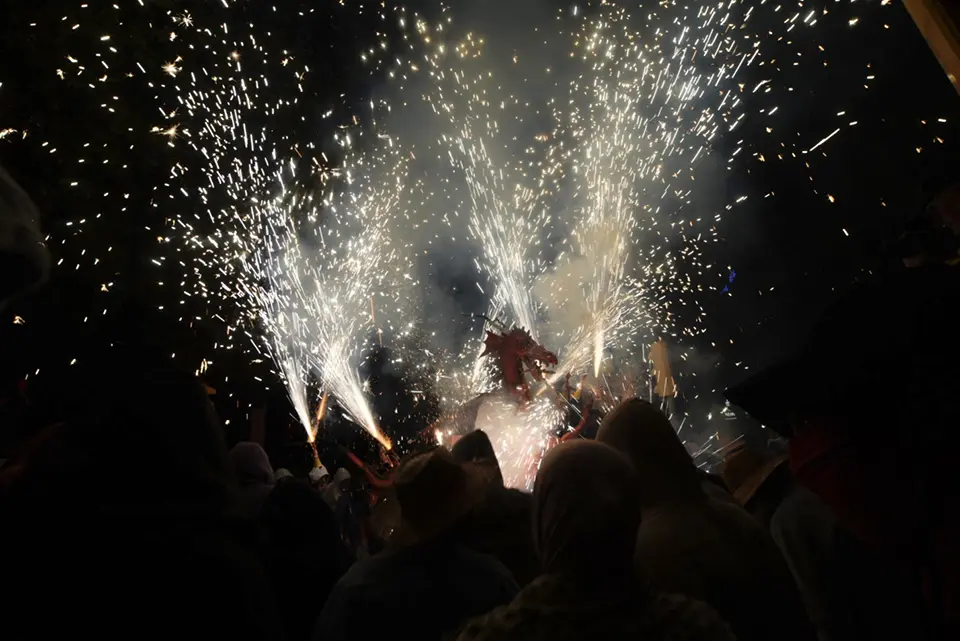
(471, 558)
(740, 528)
(697, 528)
(733, 513)
(477, 567)
(678, 617)
(513, 502)
(495, 625)
(517, 497)
(366, 572)
(803, 510)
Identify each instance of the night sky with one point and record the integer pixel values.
(829, 215)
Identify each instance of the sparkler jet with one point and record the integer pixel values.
(518, 354)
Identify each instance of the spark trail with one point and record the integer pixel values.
(280, 265)
(636, 105)
(306, 288)
(629, 125)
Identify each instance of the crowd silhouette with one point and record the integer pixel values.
(124, 514)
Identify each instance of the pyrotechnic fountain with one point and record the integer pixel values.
(290, 249)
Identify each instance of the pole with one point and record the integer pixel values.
(939, 22)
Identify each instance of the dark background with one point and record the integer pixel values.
(778, 262)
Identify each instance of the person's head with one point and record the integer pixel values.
(251, 464)
(933, 236)
(476, 449)
(586, 511)
(149, 424)
(24, 259)
(645, 436)
(295, 515)
(946, 208)
(320, 477)
(434, 492)
(341, 479)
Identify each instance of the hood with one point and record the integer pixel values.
(477, 449)
(554, 608)
(664, 468)
(341, 475)
(332, 494)
(251, 464)
(586, 511)
(317, 473)
(24, 258)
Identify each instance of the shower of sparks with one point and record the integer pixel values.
(309, 300)
(291, 271)
(625, 133)
(579, 198)
(302, 269)
(650, 98)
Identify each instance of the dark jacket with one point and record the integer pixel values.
(699, 546)
(419, 592)
(585, 519)
(304, 554)
(501, 527)
(24, 259)
(554, 608)
(154, 545)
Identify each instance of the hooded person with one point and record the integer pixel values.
(933, 237)
(689, 543)
(803, 528)
(586, 515)
(477, 449)
(141, 476)
(304, 553)
(319, 477)
(24, 267)
(876, 440)
(252, 467)
(340, 483)
(24, 258)
(500, 524)
(339, 497)
(427, 585)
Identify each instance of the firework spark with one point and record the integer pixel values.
(289, 249)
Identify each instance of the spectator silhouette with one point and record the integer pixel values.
(138, 475)
(255, 475)
(586, 514)
(427, 585)
(500, 524)
(689, 543)
(304, 553)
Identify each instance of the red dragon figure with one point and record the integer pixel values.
(518, 353)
